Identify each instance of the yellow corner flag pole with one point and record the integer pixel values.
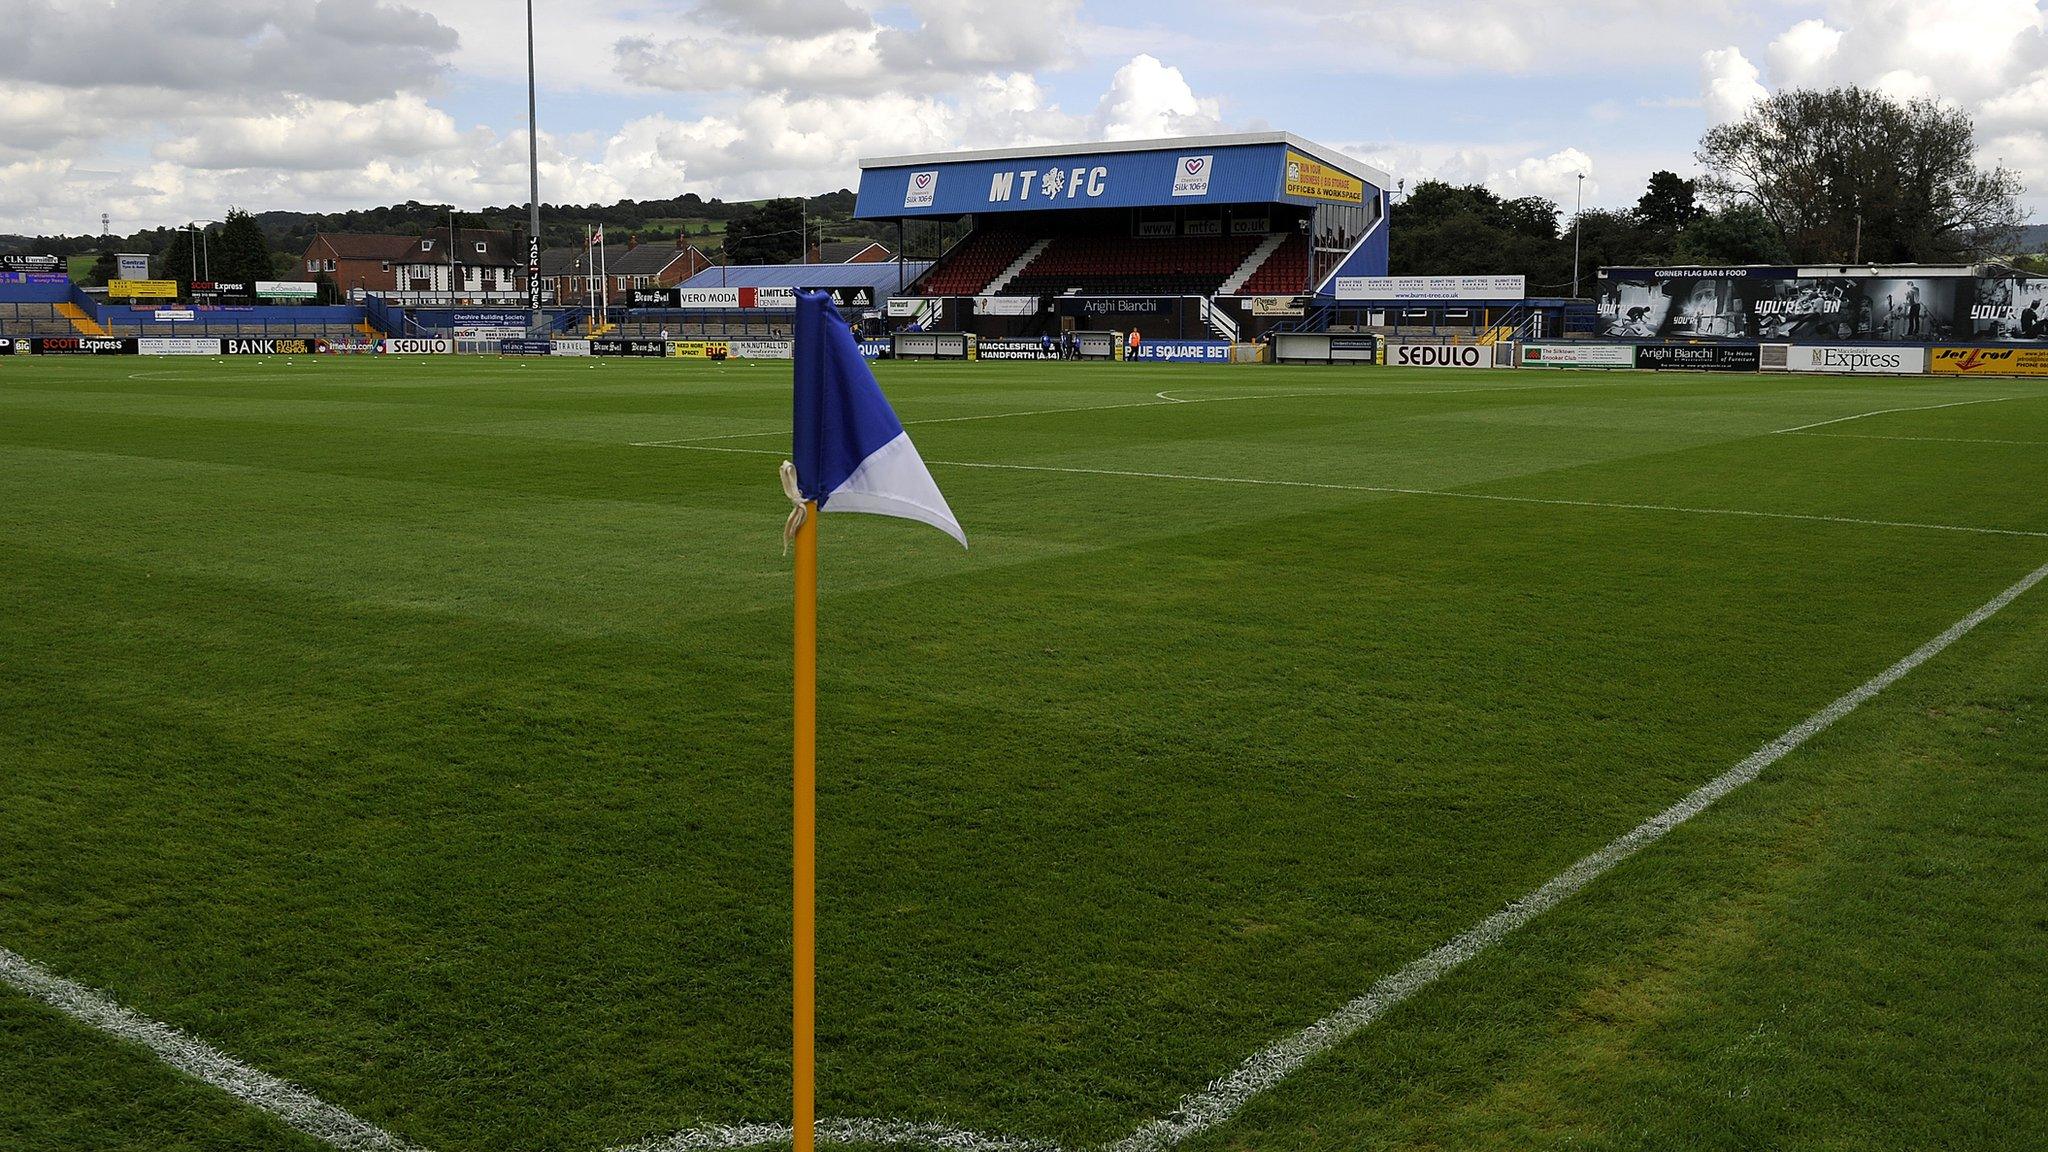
(805, 972)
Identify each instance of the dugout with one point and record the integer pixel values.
(1177, 238)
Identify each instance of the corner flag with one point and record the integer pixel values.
(853, 455)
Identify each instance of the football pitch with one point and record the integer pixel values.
(415, 732)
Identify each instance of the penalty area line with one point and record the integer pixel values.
(1887, 412)
(296, 1107)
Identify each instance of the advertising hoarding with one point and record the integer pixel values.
(1777, 304)
(1439, 356)
(1002, 306)
(1115, 305)
(1860, 359)
(1431, 287)
(1181, 351)
(1312, 179)
(618, 346)
(1699, 357)
(142, 289)
(283, 345)
(413, 346)
(82, 346)
(1032, 348)
(1989, 362)
(698, 349)
(177, 346)
(1578, 356)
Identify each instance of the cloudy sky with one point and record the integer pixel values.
(162, 111)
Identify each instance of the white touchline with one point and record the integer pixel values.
(288, 1102)
(1224, 1097)
(1441, 493)
(1917, 439)
(1889, 411)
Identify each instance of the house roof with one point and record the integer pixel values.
(644, 260)
(841, 251)
(619, 260)
(500, 249)
(880, 276)
(364, 245)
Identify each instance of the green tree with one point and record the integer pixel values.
(1828, 167)
(1669, 203)
(103, 270)
(175, 261)
(1608, 238)
(239, 252)
(1742, 234)
(1467, 230)
(766, 234)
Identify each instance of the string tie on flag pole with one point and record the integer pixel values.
(796, 509)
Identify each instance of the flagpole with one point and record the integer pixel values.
(804, 1065)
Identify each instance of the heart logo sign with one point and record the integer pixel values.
(1191, 177)
(921, 190)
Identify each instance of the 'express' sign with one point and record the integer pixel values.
(82, 346)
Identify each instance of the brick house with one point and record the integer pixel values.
(481, 266)
(567, 275)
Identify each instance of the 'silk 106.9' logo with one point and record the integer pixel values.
(1191, 175)
(922, 189)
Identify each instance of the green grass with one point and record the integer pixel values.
(404, 730)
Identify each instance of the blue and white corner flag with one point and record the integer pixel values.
(852, 454)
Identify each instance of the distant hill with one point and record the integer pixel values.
(2033, 238)
(562, 225)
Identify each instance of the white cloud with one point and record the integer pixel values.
(183, 106)
(1490, 37)
(1511, 170)
(1730, 83)
(785, 17)
(317, 135)
(243, 49)
(1554, 177)
(1803, 54)
(1147, 98)
(953, 43)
